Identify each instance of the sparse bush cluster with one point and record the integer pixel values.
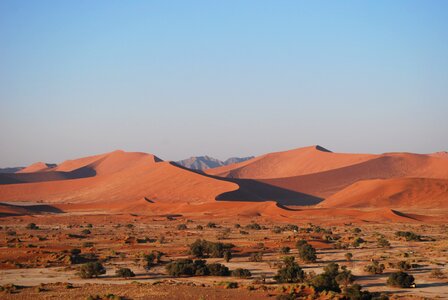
(202, 248)
(253, 226)
(198, 267)
(374, 268)
(408, 235)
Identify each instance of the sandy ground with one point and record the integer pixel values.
(27, 259)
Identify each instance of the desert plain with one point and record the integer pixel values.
(271, 227)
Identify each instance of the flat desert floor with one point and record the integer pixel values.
(36, 263)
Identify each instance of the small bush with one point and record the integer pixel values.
(403, 265)
(32, 226)
(383, 243)
(348, 256)
(408, 235)
(256, 257)
(211, 225)
(401, 279)
(374, 268)
(182, 227)
(253, 226)
(125, 273)
(86, 231)
(241, 273)
(91, 269)
(437, 273)
(228, 284)
(285, 250)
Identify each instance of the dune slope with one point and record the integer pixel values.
(392, 193)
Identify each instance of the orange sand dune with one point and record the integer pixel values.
(392, 193)
(120, 177)
(392, 165)
(37, 167)
(290, 163)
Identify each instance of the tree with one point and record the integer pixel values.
(125, 273)
(374, 268)
(227, 255)
(202, 248)
(357, 242)
(327, 280)
(86, 231)
(290, 273)
(218, 270)
(241, 273)
(401, 279)
(307, 253)
(345, 278)
(91, 269)
(403, 265)
(348, 256)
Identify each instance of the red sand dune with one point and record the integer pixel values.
(290, 163)
(390, 165)
(37, 167)
(142, 183)
(120, 177)
(392, 193)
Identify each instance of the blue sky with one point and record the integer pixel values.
(223, 78)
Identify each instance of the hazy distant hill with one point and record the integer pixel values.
(207, 162)
(10, 170)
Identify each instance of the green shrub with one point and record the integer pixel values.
(253, 226)
(211, 225)
(307, 253)
(182, 227)
(401, 279)
(285, 250)
(290, 273)
(189, 267)
(91, 269)
(403, 265)
(125, 273)
(32, 226)
(202, 248)
(383, 243)
(256, 257)
(348, 256)
(374, 268)
(218, 270)
(408, 235)
(241, 273)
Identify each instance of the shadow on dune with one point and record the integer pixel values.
(16, 178)
(20, 210)
(251, 190)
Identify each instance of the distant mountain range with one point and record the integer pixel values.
(11, 170)
(207, 162)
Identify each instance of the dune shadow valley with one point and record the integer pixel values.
(306, 223)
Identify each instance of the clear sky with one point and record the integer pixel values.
(223, 78)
